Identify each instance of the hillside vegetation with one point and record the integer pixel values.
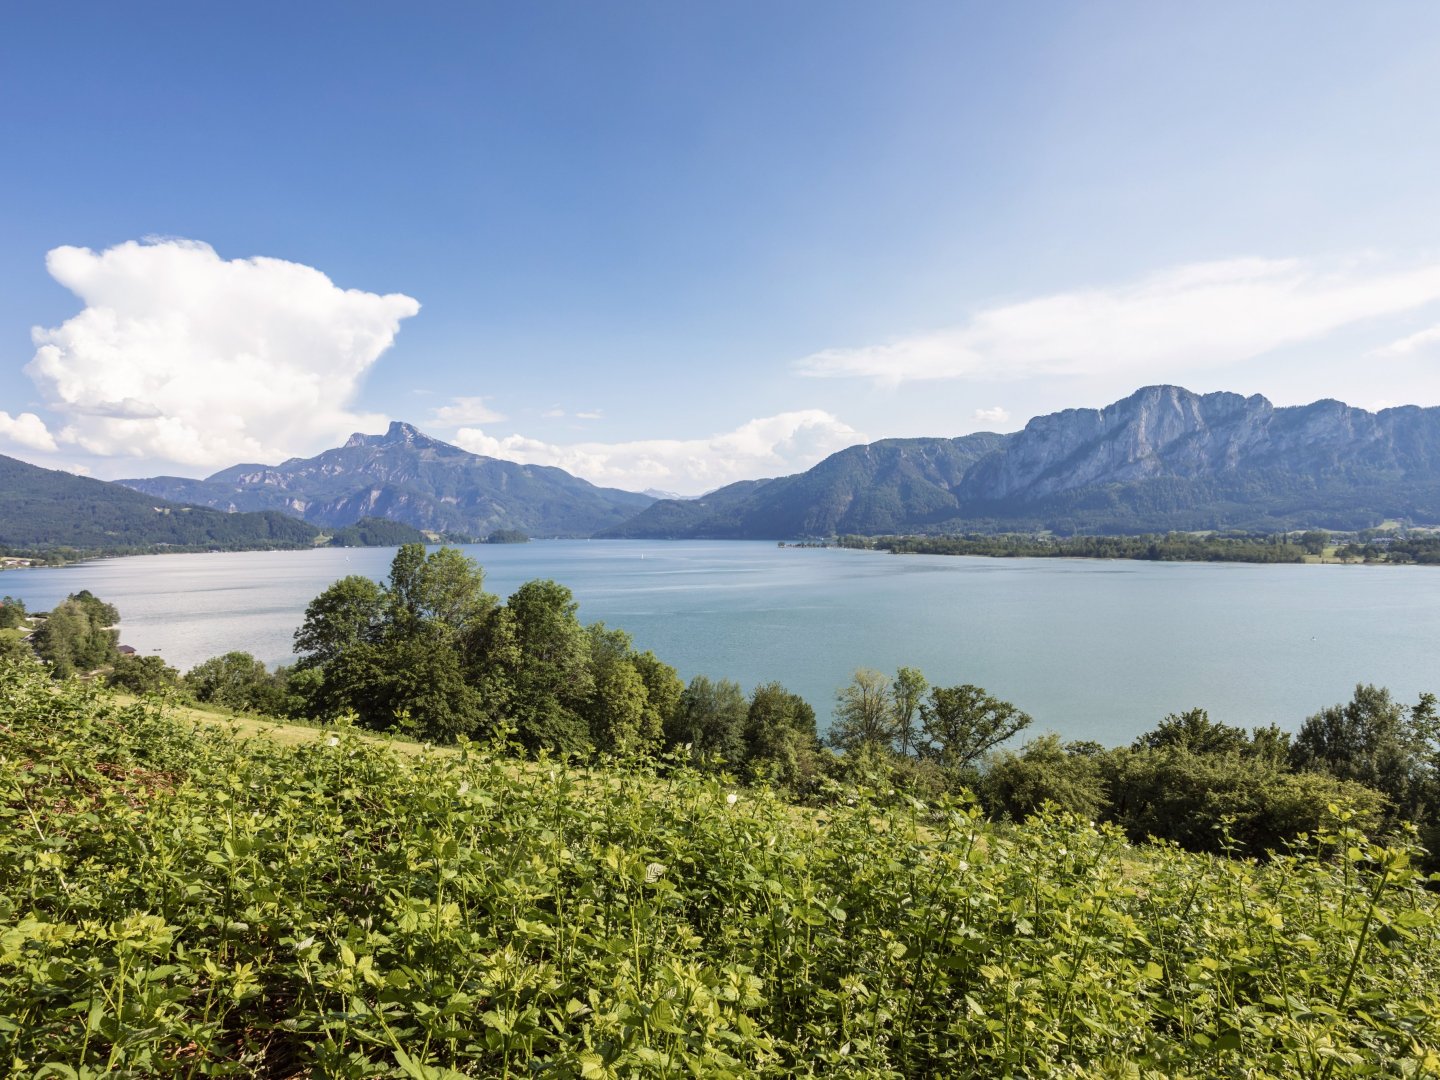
(177, 901)
(44, 509)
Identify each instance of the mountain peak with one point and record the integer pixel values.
(399, 433)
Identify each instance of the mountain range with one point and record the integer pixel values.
(1163, 458)
(405, 475)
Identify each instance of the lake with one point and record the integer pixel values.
(1092, 649)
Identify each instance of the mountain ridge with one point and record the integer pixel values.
(407, 476)
(1161, 458)
(46, 508)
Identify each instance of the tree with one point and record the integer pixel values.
(1314, 541)
(905, 692)
(663, 690)
(350, 613)
(143, 675)
(1376, 741)
(710, 719)
(546, 657)
(13, 651)
(443, 590)
(12, 613)
(780, 740)
(76, 635)
(1193, 730)
(236, 680)
(960, 723)
(402, 655)
(616, 708)
(864, 712)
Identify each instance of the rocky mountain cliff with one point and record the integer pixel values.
(1162, 458)
(407, 476)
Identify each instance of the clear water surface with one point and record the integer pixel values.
(1092, 649)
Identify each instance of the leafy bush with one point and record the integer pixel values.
(142, 675)
(1020, 784)
(1203, 802)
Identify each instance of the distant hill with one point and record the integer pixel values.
(1162, 458)
(376, 532)
(407, 476)
(45, 509)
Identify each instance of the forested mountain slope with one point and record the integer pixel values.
(46, 508)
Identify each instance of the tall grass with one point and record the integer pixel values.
(174, 901)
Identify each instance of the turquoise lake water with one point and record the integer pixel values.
(1091, 649)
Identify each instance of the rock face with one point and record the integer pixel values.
(405, 475)
(1162, 458)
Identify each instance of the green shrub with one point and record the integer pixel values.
(1197, 800)
(1020, 784)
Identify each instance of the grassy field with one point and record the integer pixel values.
(185, 895)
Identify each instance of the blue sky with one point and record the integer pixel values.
(673, 245)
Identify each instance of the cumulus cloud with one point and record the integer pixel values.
(1201, 315)
(466, 410)
(182, 356)
(26, 430)
(996, 416)
(772, 446)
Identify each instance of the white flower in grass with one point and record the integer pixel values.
(333, 740)
(732, 799)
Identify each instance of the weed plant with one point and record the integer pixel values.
(178, 902)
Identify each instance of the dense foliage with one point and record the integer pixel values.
(77, 636)
(12, 613)
(376, 532)
(1170, 547)
(431, 653)
(1415, 548)
(179, 903)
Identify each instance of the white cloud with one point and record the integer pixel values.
(996, 416)
(553, 414)
(1422, 341)
(466, 410)
(1201, 315)
(592, 414)
(772, 446)
(185, 357)
(26, 430)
